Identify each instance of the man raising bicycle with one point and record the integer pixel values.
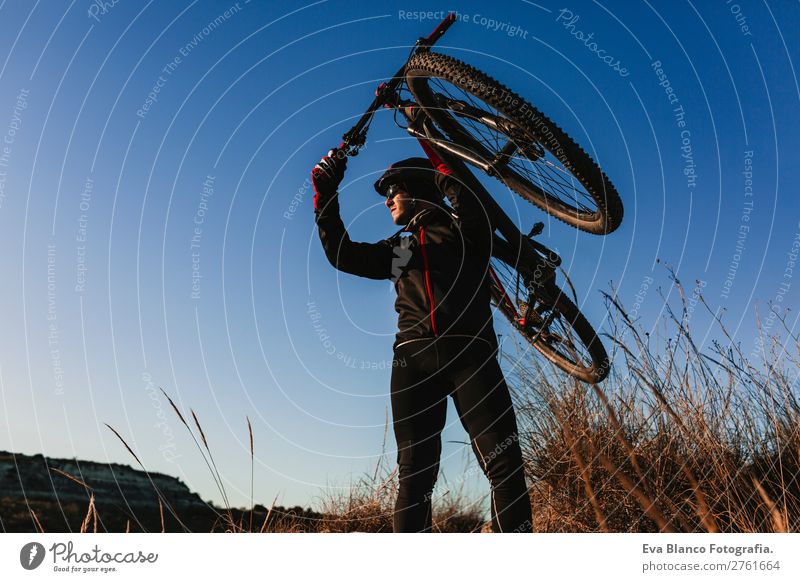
(438, 262)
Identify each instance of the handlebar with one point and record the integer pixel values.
(353, 139)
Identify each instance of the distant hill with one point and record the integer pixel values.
(124, 498)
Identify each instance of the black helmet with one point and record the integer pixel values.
(416, 173)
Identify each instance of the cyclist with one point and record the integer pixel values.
(446, 342)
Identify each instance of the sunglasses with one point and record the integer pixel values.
(394, 189)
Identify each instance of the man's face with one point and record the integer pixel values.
(400, 207)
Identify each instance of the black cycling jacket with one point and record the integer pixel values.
(439, 270)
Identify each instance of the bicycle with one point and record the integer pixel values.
(465, 116)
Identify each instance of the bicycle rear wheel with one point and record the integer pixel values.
(525, 149)
(546, 318)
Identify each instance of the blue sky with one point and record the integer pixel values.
(145, 146)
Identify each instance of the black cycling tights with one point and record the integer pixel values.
(427, 371)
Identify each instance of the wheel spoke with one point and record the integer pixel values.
(548, 173)
(545, 325)
(505, 155)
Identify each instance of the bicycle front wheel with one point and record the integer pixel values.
(546, 318)
(524, 149)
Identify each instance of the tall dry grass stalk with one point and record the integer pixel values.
(159, 493)
(677, 439)
(91, 512)
(252, 471)
(209, 461)
(36, 521)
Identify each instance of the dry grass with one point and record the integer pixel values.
(368, 505)
(675, 440)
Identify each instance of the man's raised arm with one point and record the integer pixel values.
(473, 216)
(371, 260)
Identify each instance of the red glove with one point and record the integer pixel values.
(328, 174)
